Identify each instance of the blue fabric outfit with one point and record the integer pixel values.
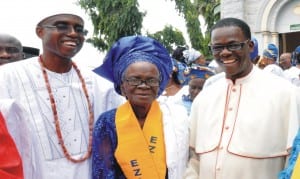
(104, 146)
(178, 68)
(197, 71)
(287, 172)
(254, 54)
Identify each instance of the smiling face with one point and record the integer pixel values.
(236, 63)
(141, 95)
(58, 42)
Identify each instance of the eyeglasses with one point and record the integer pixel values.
(231, 47)
(153, 82)
(66, 28)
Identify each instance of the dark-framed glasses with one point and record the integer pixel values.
(231, 47)
(153, 82)
(66, 28)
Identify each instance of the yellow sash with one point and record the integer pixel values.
(140, 152)
(296, 172)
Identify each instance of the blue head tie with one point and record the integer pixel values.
(131, 49)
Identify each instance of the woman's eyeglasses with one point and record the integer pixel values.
(231, 47)
(153, 82)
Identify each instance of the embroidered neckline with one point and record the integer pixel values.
(56, 120)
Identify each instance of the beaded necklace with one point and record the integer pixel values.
(57, 125)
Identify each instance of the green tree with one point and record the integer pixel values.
(112, 19)
(169, 37)
(191, 11)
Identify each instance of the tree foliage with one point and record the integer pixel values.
(169, 37)
(112, 19)
(191, 11)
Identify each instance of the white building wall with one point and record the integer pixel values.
(266, 18)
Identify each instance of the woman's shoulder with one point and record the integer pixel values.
(106, 118)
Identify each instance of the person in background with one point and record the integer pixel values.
(179, 64)
(285, 61)
(174, 84)
(268, 62)
(141, 138)
(11, 49)
(296, 57)
(230, 119)
(188, 93)
(192, 58)
(177, 77)
(62, 100)
(290, 72)
(254, 56)
(178, 54)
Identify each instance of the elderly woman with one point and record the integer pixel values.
(141, 138)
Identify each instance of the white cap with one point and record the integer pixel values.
(21, 20)
(51, 8)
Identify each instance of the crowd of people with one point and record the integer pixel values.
(144, 113)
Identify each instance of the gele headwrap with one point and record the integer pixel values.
(271, 52)
(297, 49)
(191, 55)
(197, 72)
(131, 49)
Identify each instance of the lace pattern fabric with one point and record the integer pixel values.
(104, 146)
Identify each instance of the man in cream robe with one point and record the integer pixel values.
(235, 136)
(243, 123)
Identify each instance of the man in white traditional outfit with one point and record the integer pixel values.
(243, 124)
(61, 99)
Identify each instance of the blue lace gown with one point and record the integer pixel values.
(104, 164)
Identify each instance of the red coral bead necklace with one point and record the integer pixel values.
(54, 110)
